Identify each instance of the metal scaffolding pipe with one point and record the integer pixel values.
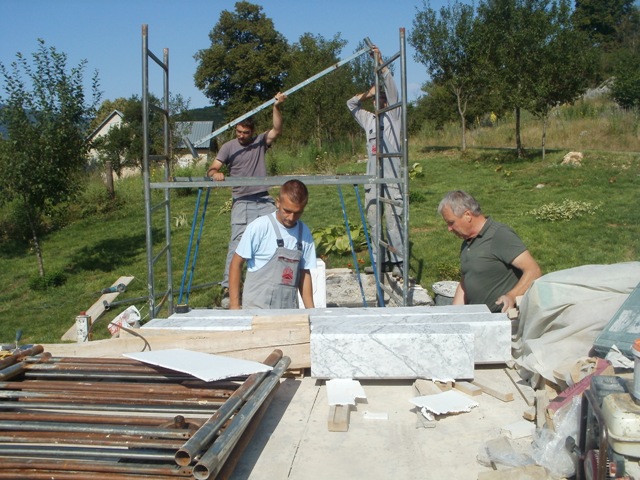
(213, 459)
(205, 435)
(94, 467)
(128, 428)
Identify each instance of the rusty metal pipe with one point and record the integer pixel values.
(213, 459)
(94, 466)
(83, 418)
(19, 355)
(84, 452)
(12, 371)
(157, 409)
(111, 387)
(205, 435)
(89, 428)
(93, 439)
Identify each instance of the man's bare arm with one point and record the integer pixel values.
(306, 289)
(276, 129)
(458, 297)
(214, 170)
(235, 277)
(530, 272)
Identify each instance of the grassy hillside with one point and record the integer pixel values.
(598, 198)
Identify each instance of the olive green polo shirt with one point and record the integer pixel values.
(485, 263)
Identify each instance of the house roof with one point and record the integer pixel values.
(105, 122)
(194, 131)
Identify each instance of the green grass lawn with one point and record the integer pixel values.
(94, 251)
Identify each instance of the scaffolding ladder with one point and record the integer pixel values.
(168, 184)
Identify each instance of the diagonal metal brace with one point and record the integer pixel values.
(309, 80)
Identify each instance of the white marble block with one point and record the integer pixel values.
(492, 331)
(440, 352)
(319, 284)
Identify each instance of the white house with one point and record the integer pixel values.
(113, 119)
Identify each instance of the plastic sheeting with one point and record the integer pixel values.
(563, 312)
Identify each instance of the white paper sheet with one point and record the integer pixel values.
(205, 366)
(445, 402)
(344, 391)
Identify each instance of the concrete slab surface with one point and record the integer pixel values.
(293, 440)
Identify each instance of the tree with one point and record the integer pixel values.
(515, 34)
(246, 62)
(320, 112)
(47, 115)
(604, 20)
(565, 67)
(626, 86)
(123, 144)
(611, 25)
(447, 44)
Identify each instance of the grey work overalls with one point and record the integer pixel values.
(275, 285)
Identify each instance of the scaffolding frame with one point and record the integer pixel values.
(169, 184)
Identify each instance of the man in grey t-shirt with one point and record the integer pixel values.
(245, 157)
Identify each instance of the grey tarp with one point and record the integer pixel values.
(563, 312)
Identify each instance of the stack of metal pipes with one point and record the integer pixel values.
(118, 418)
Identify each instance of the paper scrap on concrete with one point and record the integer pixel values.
(445, 402)
(519, 429)
(367, 415)
(344, 391)
(205, 366)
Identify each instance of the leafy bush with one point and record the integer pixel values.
(334, 239)
(567, 210)
(415, 171)
(49, 280)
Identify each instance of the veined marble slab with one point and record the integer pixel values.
(359, 351)
(492, 331)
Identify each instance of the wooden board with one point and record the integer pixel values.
(468, 388)
(494, 391)
(338, 418)
(97, 309)
(525, 390)
(289, 334)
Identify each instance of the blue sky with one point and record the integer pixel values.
(108, 34)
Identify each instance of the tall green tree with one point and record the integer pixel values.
(515, 34)
(626, 85)
(47, 114)
(612, 27)
(605, 21)
(246, 62)
(446, 42)
(319, 108)
(565, 67)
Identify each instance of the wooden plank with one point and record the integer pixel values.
(468, 388)
(529, 414)
(97, 309)
(426, 387)
(338, 418)
(245, 344)
(443, 386)
(525, 390)
(542, 402)
(494, 392)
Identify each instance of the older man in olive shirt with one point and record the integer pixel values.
(495, 264)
